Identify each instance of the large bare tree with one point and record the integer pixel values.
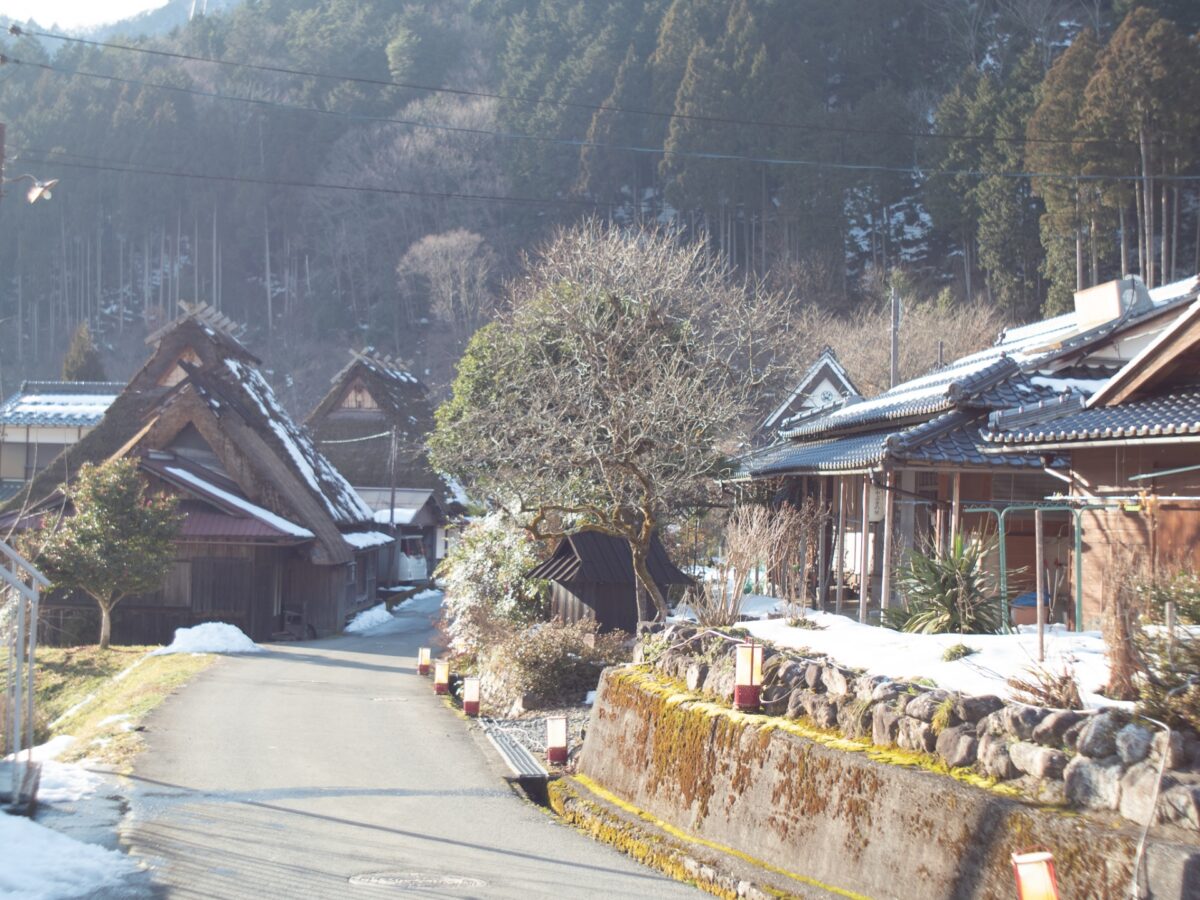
(608, 392)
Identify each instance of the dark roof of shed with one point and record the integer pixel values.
(602, 558)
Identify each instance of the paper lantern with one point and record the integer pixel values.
(470, 695)
(441, 677)
(1035, 876)
(747, 676)
(423, 661)
(556, 740)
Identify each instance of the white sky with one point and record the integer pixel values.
(75, 13)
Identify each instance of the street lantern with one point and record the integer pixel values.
(1035, 876)
(747, 676)
(470, 695)
(423, 661)
(556, 740)
(441, 677)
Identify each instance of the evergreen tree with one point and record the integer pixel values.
(117, 541)
(82, 362)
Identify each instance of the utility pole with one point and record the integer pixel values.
(895, 338)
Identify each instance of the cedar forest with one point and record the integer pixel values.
(378, 170)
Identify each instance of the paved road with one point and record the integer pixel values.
(289, 773)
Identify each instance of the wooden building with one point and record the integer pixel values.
(43, 418)
(910, 468)
(1133, 454)
(372, 424)
(273, 540)
(591, 577)
(825, 384)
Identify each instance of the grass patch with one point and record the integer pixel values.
(957, 651)
(66, 677)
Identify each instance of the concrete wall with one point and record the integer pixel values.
(821, 807)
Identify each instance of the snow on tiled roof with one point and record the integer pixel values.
(339, 498)
(364, 540)
(71, 404)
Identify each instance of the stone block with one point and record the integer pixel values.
(1098, 739)
(812, 676)
(993, 724)
(994, 758)
(1071, 735)
(1174, 747)
(913, 734)
(1020, 721)
(1138, 786)
(972, 709)
(1094, 783)
(696, 674)
(957, 746)
(824, 711)
(1181, 805)
(925, 705)
(1133, 743)
(878, 691)
(775, 699)
(1036, 760)
(885, 721)
(719, 680)
(855, 719)
(798, 703)
(1051, 730)
(836, 681)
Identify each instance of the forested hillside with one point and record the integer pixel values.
(340, 173)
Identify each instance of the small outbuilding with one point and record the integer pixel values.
(591, 577)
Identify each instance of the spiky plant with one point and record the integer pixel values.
(949, 593)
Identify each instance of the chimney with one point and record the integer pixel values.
(1111, 300)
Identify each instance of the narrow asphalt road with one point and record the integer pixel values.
(329, 769)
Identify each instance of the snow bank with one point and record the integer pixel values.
(881, 651)
(209, 637)
(369, 618)
(39, 864)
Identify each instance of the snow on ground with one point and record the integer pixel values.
(882, 651)
(60, 782)
(209, 637)
(39, 864)
(369, 619)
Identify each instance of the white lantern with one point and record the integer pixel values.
(423, 656)
(1035, 876)
(441, 677)
(747, 676)
(470, 695)
(556, 740)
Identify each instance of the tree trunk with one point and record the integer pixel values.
(1124, 241)
(105, 622)
(1148, 206)
(1164, 270)
(642, 571)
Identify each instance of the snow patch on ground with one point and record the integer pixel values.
(60, 782)
(369, 619)
(39, 864)
(881, 651)
(209, 637)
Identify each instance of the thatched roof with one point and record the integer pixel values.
(358, 440)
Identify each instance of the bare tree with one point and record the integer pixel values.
(607, 394)
(457, 268)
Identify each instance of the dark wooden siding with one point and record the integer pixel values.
(614, 606)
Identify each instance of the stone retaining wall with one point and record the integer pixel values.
(1103, 761)
(839, 811)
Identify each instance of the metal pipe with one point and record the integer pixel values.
(889, 502)
(1179, 471)
(841, 546)
(864, 579)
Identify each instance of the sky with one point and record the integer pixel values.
(75, 13)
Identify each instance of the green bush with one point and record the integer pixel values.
(1169, 685)
(957, 651)
(554, 662)
(951, 593)
(1182, 588)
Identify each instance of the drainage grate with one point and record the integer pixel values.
(415, 880)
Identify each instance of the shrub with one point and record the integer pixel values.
(555, 662)
(1181, 588)
(957, 651)
(483, 576)
(1043, 686)
(1169, 685)
(951, 593)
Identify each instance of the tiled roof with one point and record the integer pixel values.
(68, 404)
(1164, 416)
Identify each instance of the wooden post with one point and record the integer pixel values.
(822, 597)
(956, 509)
(864, 579)
(939, 530)
(1039, 541)
(840, 561)
(1171, 623)
(889, 496)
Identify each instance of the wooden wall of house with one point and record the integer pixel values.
(613, 606)
(236, 583)
(1114, 539)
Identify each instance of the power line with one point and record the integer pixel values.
(315, 185)
(570, 104)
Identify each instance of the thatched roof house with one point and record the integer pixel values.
(274, 536)
(372, 424)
